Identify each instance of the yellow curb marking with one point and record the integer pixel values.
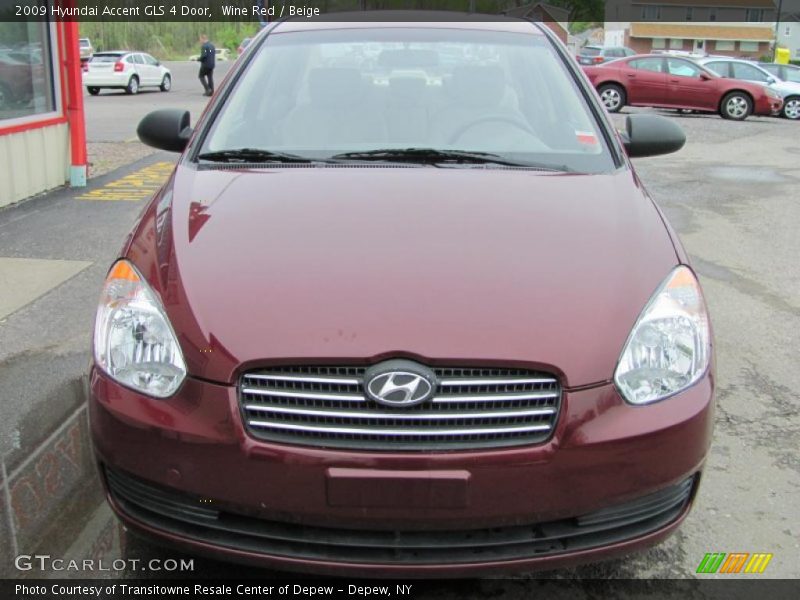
(135, 186)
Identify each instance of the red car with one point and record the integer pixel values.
(665, 81)
(414, 321)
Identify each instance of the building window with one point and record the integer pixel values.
(754, 15)
(689, 13)
(26, 78)
(725, 45)
(712, 14)
(659, 43)
(748, 46)
(788, 31)
(676, 44)
(651, 13)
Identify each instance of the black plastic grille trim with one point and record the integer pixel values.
(177, 513)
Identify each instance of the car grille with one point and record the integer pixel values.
(471, 408)
(184, 515)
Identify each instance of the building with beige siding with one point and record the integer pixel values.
(42, 138)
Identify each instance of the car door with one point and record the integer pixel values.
(153, 69)
(144, 70)
(689, 86)
(645, 81)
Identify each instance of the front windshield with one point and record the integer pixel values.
(324, 93)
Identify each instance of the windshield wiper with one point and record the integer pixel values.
(253, 155)
(434, 156)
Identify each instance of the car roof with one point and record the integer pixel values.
(406, 19)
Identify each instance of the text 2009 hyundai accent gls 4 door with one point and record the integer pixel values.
(403, 308)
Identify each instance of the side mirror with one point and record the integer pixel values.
(704, 76)
(771, 80)
(651, 135)
(165, 129)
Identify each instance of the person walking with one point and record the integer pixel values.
(207, 64)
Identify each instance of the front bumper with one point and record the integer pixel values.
(769, 106)
(191, 453)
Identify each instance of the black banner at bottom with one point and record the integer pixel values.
(342, 589)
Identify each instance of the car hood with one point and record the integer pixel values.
(449, 266)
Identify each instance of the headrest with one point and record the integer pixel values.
(478, 86)
(335, 86)
(408, 59)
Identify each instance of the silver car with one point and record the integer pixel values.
(749, 71)
(125, 70)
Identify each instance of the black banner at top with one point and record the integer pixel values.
(563, 11)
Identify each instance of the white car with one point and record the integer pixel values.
(125, 70)
(746, 70)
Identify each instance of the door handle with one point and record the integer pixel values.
(631, 75)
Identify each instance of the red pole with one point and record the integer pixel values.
(75, 116)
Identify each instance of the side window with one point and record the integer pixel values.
(137, 58)
(719, 67)
(129, 59)
(682, 68)
(149, 60)
(748, 73)
(792, 75)
(648, 64)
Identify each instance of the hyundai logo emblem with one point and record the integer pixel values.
(399, 383)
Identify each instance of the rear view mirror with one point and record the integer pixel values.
(704, 76)
(651, 135)
(166, 129)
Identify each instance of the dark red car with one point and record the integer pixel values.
(420, 320)
(665, 81)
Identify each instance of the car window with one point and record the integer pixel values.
(137, 58)
(107, 58)
(772, 68)
(648, 64)
(591, 51)
(629, 52)
(720, 67)
(682, 68)
(327, 92)
(748, 72)
(149, 60)
(792, 75)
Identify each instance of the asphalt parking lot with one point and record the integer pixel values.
(112, 116)
(731, 194)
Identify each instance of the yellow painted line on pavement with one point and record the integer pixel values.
(138, 185)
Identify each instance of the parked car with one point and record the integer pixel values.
(595, 55)
(665, 81)
(750, 71)
(86, 49)
(126, 70)
(245, 43)
(408, 325)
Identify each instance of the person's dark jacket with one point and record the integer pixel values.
(208, 55)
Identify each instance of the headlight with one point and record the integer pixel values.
(133, 340)
(669, 347)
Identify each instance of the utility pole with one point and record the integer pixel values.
(777, 30)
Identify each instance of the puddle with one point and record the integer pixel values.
(746, 174)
